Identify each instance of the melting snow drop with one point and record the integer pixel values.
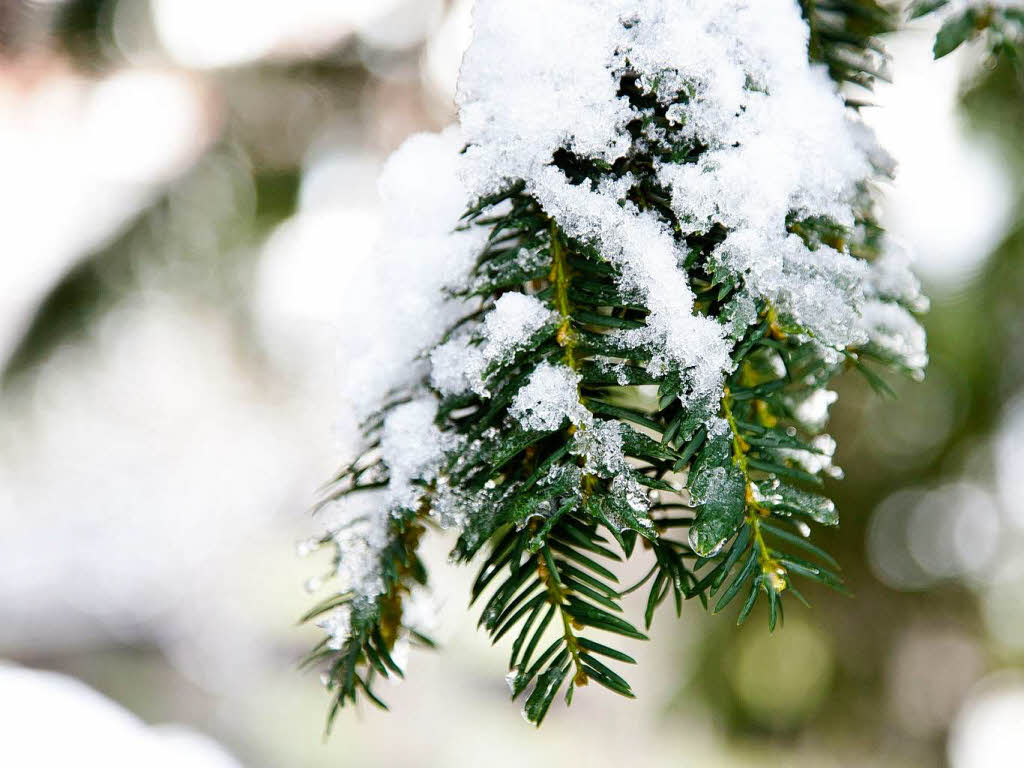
(777, 579)
(306, 547)
(700, 547)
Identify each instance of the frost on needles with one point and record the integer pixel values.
(620, 287)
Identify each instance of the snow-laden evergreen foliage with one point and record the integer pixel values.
(1000, 22)
(631, 273)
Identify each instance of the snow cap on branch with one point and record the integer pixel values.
(735, 77)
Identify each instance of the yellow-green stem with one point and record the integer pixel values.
(771, 569)
(560, 277)
(556, 596)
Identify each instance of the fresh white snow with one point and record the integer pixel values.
(544, 77)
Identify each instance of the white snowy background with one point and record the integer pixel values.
(156, 470)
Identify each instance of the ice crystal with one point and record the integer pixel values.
(549, 398)
(460, 365)
(601, 448)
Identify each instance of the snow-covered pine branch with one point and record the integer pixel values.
(1000, 22)
(621, 287)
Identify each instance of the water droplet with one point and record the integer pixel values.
(510, 678)
(701, 547)
(325, 679)
(777, 579)
(306, 547)
(804, 528)
(313, 584)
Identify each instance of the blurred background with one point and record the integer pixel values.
(187, 211)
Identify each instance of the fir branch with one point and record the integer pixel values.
(566, 416)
